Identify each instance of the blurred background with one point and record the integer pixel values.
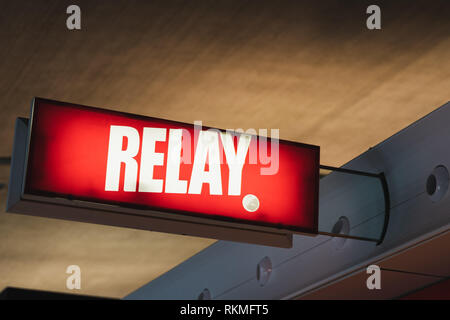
(310, 68)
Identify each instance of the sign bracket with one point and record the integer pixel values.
(381, 176)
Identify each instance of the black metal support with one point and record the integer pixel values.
(387, 207)
(387, 201)
(350, 171)
(5, 160)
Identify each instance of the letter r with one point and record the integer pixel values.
(117, 156)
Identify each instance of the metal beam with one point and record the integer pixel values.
(228, 270)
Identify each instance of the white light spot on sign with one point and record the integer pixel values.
(250, 203)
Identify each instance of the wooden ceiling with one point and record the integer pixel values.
(311, 69)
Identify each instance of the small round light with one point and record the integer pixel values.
(437, 183)
(250, 203)
(205, 295)
(342, 226)
(263, 271)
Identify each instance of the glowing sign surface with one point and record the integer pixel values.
(176, 169)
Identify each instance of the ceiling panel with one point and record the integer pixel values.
(311, 69)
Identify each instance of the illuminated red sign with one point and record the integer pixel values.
(176, 169)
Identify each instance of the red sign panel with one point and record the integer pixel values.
(109, 157)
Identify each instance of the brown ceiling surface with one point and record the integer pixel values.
(311, 69)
